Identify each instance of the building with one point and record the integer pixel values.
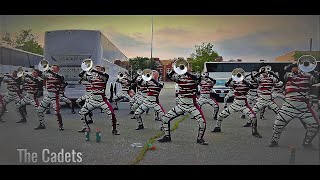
(290, 55)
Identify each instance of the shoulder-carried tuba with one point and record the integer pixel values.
(147, 74)
(180, 66)
(307, 63)
(43, 65)
(237, 74)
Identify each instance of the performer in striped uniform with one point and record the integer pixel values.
(206, 85)
(151, 100)
(30, 84)
(53, 83)
(297, 105)
(125, 86)
(81, 100)
(65, 99)
(97, 98)
(14, 90)
(139, 97)
(240, 103)
(229, 95)
(266, 84)
(186, 102)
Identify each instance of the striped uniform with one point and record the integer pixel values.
(88, 87)
(14, 90)
(53, 82)
(297, 105)
(150, 101)
(240, 104)
(206, 86)
(125, 86)
(63, 98)
(265, 99)
(253, 93)
(30, 86)
(186, 102)
(140, 95)
(229, 95)
(278, 91)
(97, 98)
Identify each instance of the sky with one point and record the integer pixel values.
(249, 38)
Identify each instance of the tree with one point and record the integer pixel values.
(24, 40)
(141, 63)
(204, 53)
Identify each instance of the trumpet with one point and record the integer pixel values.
(180, 66)
(147, 74)
(307, 63)
(121, 75)
(87, 66)
(43, 65)
(139, 72)
(238, 74)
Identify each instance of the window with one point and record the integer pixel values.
(6, 60)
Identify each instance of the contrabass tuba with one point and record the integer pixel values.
(180, 66)
(307, 63)
(237, 74)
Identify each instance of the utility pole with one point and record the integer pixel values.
(151, 36)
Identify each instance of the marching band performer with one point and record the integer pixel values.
(53, 83)
(265, 88)
(81, 100)
(30, 84)
(228, 96)
(97, 98)
(297, 102)
(124, 94)
(14, 90)
(65, 99)
(240, 103)
(152, 98)
(206, 85)
(186, 101)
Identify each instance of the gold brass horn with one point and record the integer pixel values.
(238, 74)
(43, 65)
(147, 74)
(139, 72)
(20, 72)
(180, 66)
(307, 63)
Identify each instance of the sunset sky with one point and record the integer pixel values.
(246, 37)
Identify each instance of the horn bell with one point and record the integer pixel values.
(147, 74)
(180, 66)
(238, 74)
(43, 65)
(307, 63)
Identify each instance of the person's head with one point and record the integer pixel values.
(14, 73)
(295, 70)
(55, 68)
(131, 93)
(99, 68)
(155, 75)
(35, 73)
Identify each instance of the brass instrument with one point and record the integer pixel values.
(43, 65)
(180, 66)
(307, 63)
(147, 74)
(237, 74)
(87, 65)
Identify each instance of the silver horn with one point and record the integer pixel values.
(43, 65)
(87, 65)
(180, 66)
(147, 74)
(238, 74)
(307, 63)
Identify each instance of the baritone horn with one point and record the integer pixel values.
(180, 66)
(307, 63)
(238, 74)
(43, 65)
(87, 65)
(147, 74)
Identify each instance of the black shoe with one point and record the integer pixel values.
(115, 132)
(243, 116)
(202, 142)
(225, 107)
(215, 118)
(273, 144)
(140, 127)
(73, 112)
(262, 118)
(165, 138)
(90, 121)
(41, 126)
(84, 130)
(256, 134)
(133, 117)
(193, 117)
(116, 108)
(22, 121)
(216, 129)
(147, 112)
(131, 112)
(247, 124)
(61, 128)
